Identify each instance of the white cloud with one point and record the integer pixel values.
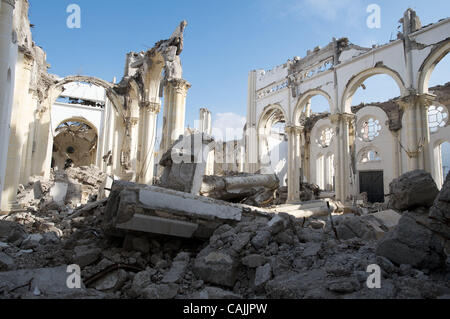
(228, 126)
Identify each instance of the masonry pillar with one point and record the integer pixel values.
(343, 174)
(175, 92)
(147, 138)
(417, 146)
(18, 134)
(7, 68)
(293, 182)
(206, 128)
(298, 132)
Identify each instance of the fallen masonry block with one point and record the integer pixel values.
(163, 211)
(255, 189)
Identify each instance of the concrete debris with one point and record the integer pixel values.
(50, 282)
(252, 189)
(65, 190)
(163, 211)
(421, 237)
(157, 243)
(440, 212)
(412, 190)
(373, 226)
(185, 163)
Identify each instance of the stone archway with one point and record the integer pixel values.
(355, 82)
(272, 150)
(428, 66)
(303, 101)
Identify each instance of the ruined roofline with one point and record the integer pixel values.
(433, 90)
(337, 46)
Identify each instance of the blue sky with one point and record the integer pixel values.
(223, 41)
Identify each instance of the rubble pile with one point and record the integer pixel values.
(421, 238)
(65, 190)
(247, 254)
(257, 190)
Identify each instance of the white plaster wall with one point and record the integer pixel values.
(384, 144)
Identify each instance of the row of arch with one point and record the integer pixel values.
(425, 73)
(367, 154)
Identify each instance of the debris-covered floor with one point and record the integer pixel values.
(261, 255)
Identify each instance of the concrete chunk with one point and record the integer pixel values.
(162, 226)
(166, 200)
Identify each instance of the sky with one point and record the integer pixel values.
(224, 41)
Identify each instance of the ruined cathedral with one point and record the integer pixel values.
(81, 152)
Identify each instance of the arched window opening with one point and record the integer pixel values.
(439, 76)
(319, 104)
(377, 88)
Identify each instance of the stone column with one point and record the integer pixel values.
(206, 128)
(147, 139)
(175, 92)
(205, 121)
(293, 182)
(298, 132)
(343, 180)
(417, 129)
(7, 68)
(18, 134)
(134, 142)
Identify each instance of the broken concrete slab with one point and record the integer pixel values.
(161, 226)
(317, 208)
(253, 189)
(163, 211)
(51, 282)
